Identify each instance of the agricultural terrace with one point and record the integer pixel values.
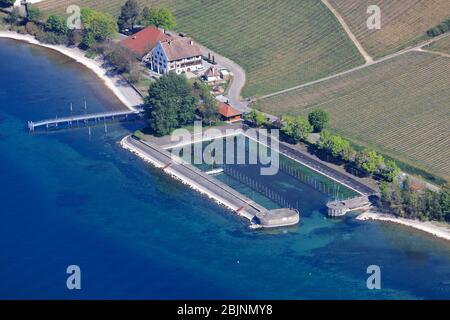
(280, 44)
(401, 106)
(403, 22)
(442, 45)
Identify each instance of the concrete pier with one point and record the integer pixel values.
(206, 184)
(340, 208)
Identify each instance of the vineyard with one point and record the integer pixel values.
(442, 45)
(403, 22)
(401, 106)
(280, 44)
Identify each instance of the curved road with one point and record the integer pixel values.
(239, 79)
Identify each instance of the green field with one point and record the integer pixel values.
(403, 22)
(401, 106)
(280, 44)
(442, 45)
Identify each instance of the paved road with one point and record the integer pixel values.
(239, 79)
(308, 160)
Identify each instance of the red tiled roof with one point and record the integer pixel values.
(228, 111)
(144, 41)
(180, 49)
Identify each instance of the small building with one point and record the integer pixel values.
(212, 75)
(143, 42)
(228, 113)
(340, 208)
(278, 218)
(225, 74)
(180, 55)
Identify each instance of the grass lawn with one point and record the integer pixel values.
(401, 107)
(280, 44)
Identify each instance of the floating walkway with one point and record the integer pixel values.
(83, 119)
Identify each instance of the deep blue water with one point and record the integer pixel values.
(70, 198)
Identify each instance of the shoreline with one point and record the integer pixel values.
(123, 91)
(431, 228)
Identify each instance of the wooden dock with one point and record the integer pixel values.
(69, 121)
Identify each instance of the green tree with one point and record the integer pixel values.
(128, 15)
(33, 13)
(368, 161)
(389, 171)
(159, 17)
(170, 104)
(319, 119)
(209, 107)
(296, 128)
(257, 118)
(56, 24)
(98, 27)
(13, 17)
(6, 3)
(335, 146)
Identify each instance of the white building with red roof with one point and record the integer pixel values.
(180, 55)
(143, 42)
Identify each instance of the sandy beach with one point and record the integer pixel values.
(123, 91)
(437, 229)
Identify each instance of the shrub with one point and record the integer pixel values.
(319, 119)
(33, 29)
(56, 24)
(52, 38)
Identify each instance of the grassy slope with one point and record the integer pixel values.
(401, 106)
(404, 22)
(442, 45)
(279, 43)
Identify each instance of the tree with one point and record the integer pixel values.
(122, 58)
(159, 17)
(257, 118)
(13, 16)
(368, 161)
(33, 13)
(170, 104)
(7, 3)
(296, 128)
(98, 27)
(128, 16)
(209, 107)
(335, 146)
(56, 24)
(319, 119)
(389, 171)
(444, 202)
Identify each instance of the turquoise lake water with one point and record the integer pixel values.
(70, 198)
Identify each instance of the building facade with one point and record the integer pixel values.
(180, 55)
